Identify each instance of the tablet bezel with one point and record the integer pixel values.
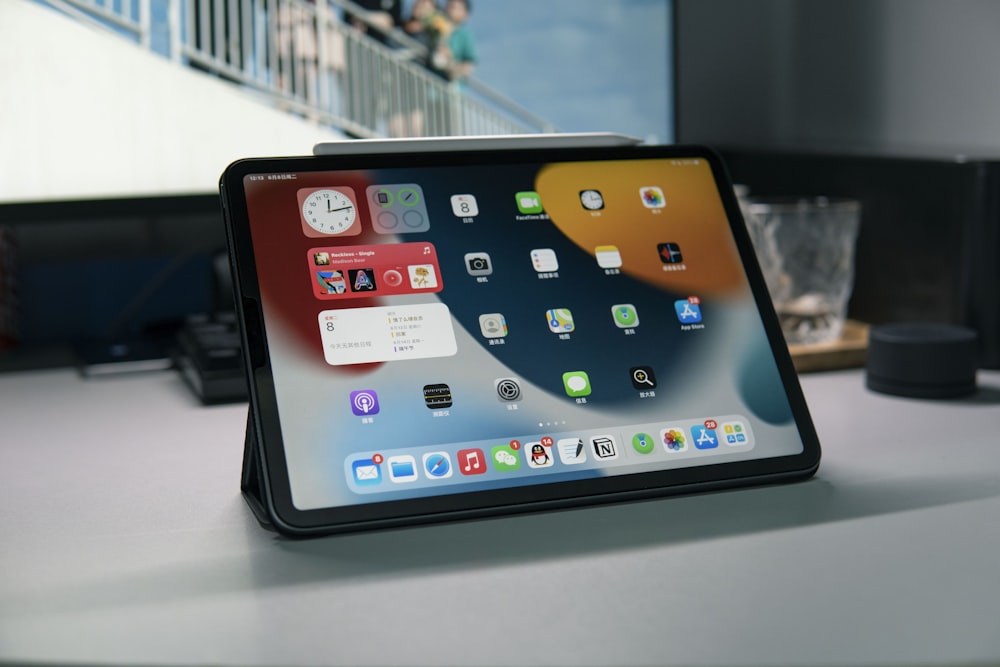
(265, 420)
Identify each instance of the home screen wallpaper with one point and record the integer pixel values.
(452, 329)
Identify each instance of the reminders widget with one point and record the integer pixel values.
(350, 272)
(386, 333)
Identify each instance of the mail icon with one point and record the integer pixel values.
(366, 472)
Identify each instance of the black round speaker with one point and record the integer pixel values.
(922, 360)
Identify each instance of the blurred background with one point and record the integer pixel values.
(119, 116)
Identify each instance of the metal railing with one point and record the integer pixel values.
(308, 59)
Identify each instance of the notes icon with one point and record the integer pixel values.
(471, 461)
(608, 257)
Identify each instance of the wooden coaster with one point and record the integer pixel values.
(850, 351)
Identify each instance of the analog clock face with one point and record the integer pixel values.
(329, 211)
(592, 200)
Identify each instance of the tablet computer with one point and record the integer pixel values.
(443, 335)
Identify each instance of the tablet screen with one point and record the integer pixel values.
(490, 330)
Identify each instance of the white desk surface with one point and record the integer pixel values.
(124, 539)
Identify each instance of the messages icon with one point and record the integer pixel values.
(576, 383)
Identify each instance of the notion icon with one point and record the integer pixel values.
(364, 402)
(605, 447)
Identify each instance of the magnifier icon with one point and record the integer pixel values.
(643, 378)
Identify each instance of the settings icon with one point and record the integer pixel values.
(508, 390)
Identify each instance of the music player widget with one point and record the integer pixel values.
(350, 272)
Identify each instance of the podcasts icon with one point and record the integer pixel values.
(364, 402)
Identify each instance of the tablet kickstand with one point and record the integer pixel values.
(251, 483)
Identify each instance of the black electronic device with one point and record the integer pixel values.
(449, 334)
(207, 353)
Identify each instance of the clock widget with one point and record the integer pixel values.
(330, 211)
(592, 200)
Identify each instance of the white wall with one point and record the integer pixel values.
(910, 76)
(84, 115)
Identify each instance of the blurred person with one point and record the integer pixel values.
(386, 15)
(461, 50)
(461, 44)
(297, 54)
(310, 55)
(432, 28)
(428, 26)
(366, 83)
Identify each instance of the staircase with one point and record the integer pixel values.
(305, 57)
(111, 98)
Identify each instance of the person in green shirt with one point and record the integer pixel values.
(460, 42)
